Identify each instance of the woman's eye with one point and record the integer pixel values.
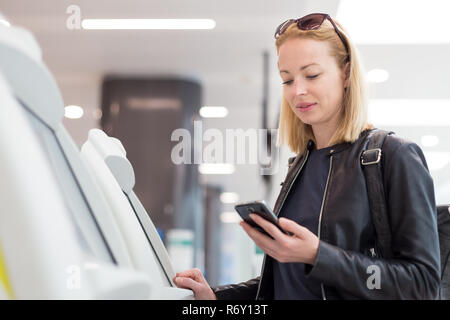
(307, 77)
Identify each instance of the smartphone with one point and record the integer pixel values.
(260, 208)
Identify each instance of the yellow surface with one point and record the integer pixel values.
(4, 276)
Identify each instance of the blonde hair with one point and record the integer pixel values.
(292, 131)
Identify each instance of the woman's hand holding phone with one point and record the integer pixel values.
(301, 246)
(260, 208)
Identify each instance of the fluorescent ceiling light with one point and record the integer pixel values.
(396, 22)
(437, 160)
(154, 103)
(216, 168)
(377, 76)
(229, 197)
(213, 112)
(73, 112)
(146, 24)
(230, 217)
(5, 23)
(429, 140)
(409, 112)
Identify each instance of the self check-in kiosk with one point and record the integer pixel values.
(106, 158)
(61, 235)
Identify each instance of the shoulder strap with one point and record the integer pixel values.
(371, 163)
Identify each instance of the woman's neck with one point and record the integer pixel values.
(323, 135)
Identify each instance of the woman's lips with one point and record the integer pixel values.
(305, 107)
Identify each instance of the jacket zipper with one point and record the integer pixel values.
(320, 216)
(282, 203)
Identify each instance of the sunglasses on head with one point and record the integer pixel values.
(312, 21)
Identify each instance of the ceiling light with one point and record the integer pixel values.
(386, 21)
(73, 112)
(216, 168)
(230, 217)
(409, 112)
(154, 103)
(146, 24)
(377, 76)
(5, 23)
(437, 160)
(213, 112)
(229, 197)
(429, 140)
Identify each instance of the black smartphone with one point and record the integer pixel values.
(260, 208)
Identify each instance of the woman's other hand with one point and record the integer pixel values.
(193, 279)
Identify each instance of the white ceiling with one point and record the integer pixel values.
(226, 60)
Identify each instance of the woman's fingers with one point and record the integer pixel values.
(261, 240)
(195, 274)
(292, 226)
(188, 283)
(269, 227)
(201, 290)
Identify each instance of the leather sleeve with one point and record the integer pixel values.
(241, 291)
(414, 271)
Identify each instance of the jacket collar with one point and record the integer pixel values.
(341, 146)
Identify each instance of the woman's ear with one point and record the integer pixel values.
(347, 75)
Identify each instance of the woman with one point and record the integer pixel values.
(332, 253)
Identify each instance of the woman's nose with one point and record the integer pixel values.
(300, 88)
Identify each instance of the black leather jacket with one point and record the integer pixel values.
(347, 251)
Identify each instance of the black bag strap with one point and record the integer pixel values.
(371, 163)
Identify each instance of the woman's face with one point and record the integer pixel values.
(313, 84)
